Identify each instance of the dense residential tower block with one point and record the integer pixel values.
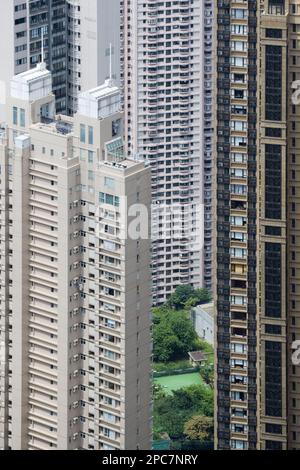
(257, 224)
(166, 80)
(75, 289)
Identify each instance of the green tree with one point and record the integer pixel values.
(173, 335)
(178, 299)
(172, 411)
(207, 373)
(187, 297)
(199, 296)
(200, 428)
(158, 391)
(165, 343)
(197, 398)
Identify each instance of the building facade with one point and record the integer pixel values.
(166, 79)
(23, 24)
(76, 37)
(93, 45)
(257, 222)
(208, 113)
(202, 317)
(75, 289)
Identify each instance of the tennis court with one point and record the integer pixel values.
(174, 382)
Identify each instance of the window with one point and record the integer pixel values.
(273, 378)
(22, 117)
(273, 445)
(91, 135)
(273, 280)
(109, 182)
(273, 329)
(274, 428)
(109, 199)
(82, 133)
(239, 445)
(15, 116)
(273, 83)
(116, 125)
(273, 184)
(239, 13)
(273, 33)
(82, 155)
(90, 156)
(274, 231)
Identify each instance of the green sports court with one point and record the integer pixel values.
(174, 382)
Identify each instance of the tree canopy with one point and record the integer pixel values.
(171, 412)
(187, 297)
(200, 428)
(173, 335)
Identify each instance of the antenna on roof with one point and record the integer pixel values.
(110, 61)
(42, 30)
(110, 80)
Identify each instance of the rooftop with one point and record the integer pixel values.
(108, 88)
(60, 125)
(208, 308)
(122, 164)
(198, 356)
(100, 102)
(32, 85)
(31, 75)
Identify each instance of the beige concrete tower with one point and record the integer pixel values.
(75, 288)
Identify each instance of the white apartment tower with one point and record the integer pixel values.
(24, 25)
(93, 45)
(74, 289)
(81, 44)
(166, 81)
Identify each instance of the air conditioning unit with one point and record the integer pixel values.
(76, 358)
(75, 388)
(75, 404)
(75, 311)
(76, 373)
(75, 203)
(75, 436)
(75, 342)
(75, 420)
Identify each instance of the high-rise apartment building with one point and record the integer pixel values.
(93, 45)
(74, 288)
(166, 79)
(81, 45)
(257, 224)
(207, 109)
(23, 24)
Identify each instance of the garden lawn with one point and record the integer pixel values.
(174, 382)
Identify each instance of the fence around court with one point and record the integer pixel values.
(169, 372)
